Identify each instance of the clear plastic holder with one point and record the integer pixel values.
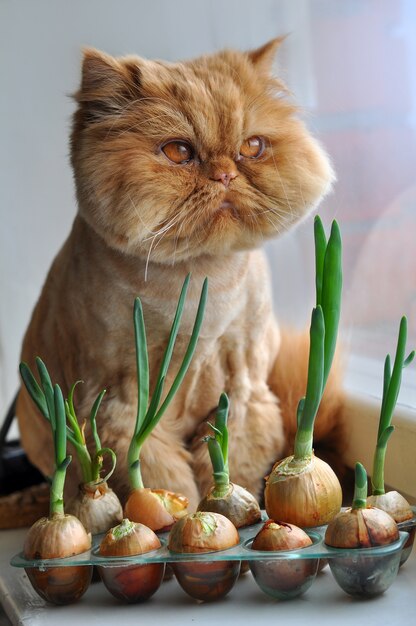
(207, 576)
(240, 552)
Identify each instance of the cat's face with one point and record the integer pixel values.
(176, 160)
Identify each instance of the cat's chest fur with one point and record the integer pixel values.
(231, 352)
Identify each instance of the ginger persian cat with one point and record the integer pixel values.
(180, 167)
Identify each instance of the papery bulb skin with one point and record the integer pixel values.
(392, 503)
(96, 506)
(238, 505)
(276, 536)
(204, 532)
(400, 510)
(58, 537)
(131, 583)
(157, 509)
(283, 578)
(307, 495)
(129, 539)
(361, 528)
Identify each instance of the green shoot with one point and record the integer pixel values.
(391, 387)
(218, 448)
(323, 332)
(62, 461)
(151, 409)
(360, 487)
(50, 402)
(43, 397)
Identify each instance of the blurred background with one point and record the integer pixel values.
(351, 66)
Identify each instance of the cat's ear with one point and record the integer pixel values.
(263, 57)
(107, 83)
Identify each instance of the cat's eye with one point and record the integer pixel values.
(252, 148)
(179, 152)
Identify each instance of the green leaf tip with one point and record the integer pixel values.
(320, 247)
(409, 358)
(360, 487)
(224, 402)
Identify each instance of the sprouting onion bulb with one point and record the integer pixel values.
(283, 578)
(58, 535)
(203, 532)
(303, 489)
(361, 526)
(95, 504)
(225, 497)
(136, 582)
(157, 508)
(392, 502)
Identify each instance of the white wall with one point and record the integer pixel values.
(40, 43)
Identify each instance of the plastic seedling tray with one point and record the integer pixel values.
(283, 574)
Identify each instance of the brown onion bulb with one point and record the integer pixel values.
(96, 506)
(361, 528)
(198, 533)
(283, 578)
(58, 537)
(238, 505)
(158, 509)
(128, 539)
(203, 532)
(392, 503)
(137, 582)
(280, 536)
(309, 497)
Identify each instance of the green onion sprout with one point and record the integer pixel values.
(225, 497)
(51, 402)
(62, 460)
(150, 409)
(323, 333)
(218, 449)
(391, 387)
(42, 396)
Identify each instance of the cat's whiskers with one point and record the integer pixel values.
(255, 217)
(160, 234)
(148, 258)
(161, 230)
(139, 216)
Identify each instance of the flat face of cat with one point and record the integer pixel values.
(175, 160)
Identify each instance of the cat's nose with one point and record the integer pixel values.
(225, 176)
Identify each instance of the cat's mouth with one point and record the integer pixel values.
(227, 205)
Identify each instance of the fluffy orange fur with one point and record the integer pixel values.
(143, 223)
